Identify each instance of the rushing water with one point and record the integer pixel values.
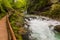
(42, 28)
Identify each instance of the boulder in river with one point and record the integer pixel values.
(57, 28)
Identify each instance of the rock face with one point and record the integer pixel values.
(57, 28)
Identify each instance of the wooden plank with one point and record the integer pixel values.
(3, 29)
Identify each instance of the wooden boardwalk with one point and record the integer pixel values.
(3, 29)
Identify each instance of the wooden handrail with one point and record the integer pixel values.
(10, 28)
(8, 23)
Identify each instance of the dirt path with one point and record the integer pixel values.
(3, 29)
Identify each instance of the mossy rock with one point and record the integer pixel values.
(57, 28)
(53, 12)
(55, 7)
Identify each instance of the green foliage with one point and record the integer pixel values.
(17, 21)
(2, 15)
(37, 4)
(18, 36)
(11, 1)
(2, 11)
(20, 4)
(6, 4)
(1, 8)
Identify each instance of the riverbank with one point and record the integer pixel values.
(53, 12)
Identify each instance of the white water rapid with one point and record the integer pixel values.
(42, 28)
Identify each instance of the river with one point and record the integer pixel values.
(42, 28)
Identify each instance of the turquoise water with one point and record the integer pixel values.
(57, 35)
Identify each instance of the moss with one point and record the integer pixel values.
(53, 12)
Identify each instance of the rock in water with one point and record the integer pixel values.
(57, 28)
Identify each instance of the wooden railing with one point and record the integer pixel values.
(10, 30)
